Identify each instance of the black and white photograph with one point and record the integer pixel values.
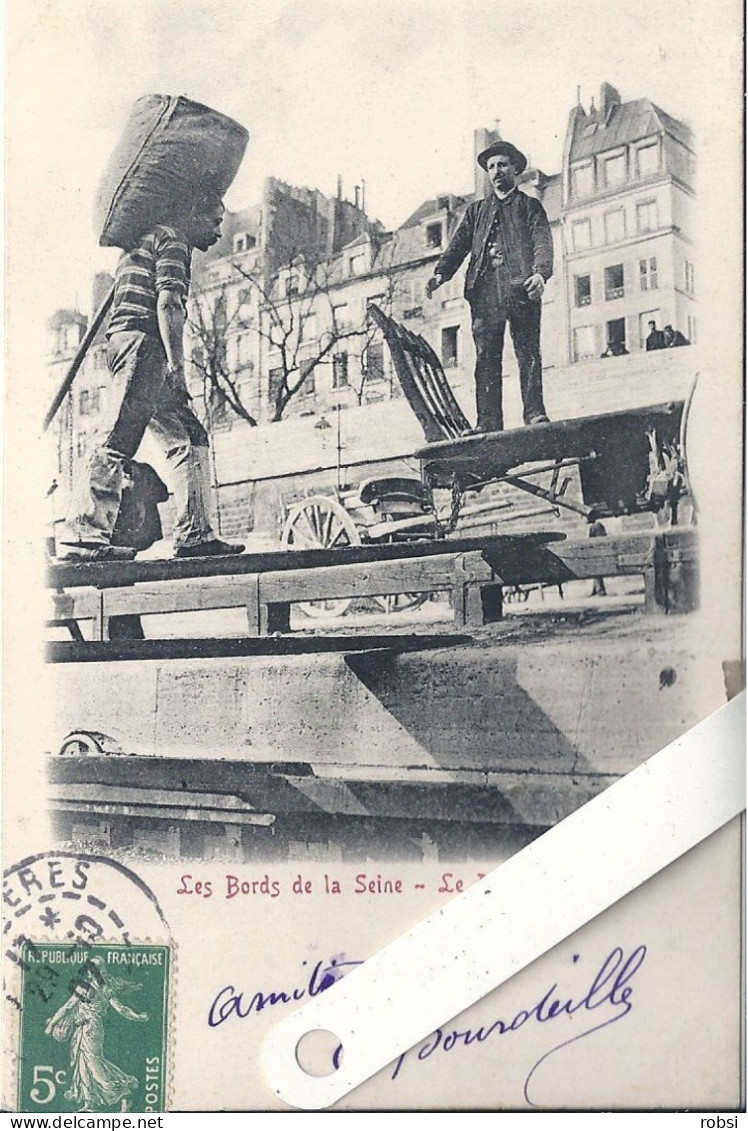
(373, 506)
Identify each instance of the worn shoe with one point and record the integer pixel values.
(541, 418)
(80, 552)
(214, 548)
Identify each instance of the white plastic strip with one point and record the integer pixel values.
(518, 911)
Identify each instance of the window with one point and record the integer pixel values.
(308, 328)
(583, 179)
(584, 342)
(89, 403)
(82, 443)
(243, 241)
(357, 264)
(275, 384)
(306, 370)
(292, 286)
(690, 279)
(646, 216)
(616, 330)
(434, 235)
(72, 336)
(339, 370)
(244, 305)
(614, 282)
(375, 362)
(648, 160)
(582, 290)
(450, 340)
(340, 316)
(615, 226)
(644, 319)
(243, 350)
(615, 169)
(581, 235)
(648, 274)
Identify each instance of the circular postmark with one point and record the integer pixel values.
(70, 896)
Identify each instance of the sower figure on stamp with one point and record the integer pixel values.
(148, 390)
(511, 258)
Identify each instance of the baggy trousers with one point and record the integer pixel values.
(489, 321)
(143, 395)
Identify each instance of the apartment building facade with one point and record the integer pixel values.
(628, 189)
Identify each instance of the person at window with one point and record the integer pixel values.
(673, 338)
(148, 390)
(509, 241)
(655, 337)
(616, 348)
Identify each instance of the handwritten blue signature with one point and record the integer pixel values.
(229, 1002)
(611, 986)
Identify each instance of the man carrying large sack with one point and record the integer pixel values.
(146, 361)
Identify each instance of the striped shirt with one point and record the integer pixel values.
(160, 261)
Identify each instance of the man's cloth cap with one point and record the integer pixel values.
(507, 149)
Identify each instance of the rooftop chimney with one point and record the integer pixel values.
(609, 99)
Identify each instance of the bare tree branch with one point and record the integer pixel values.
(285, 309)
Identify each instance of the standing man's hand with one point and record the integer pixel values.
(433, 284)
(535, 286)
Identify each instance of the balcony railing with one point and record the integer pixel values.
(584, 300)
(613, 292)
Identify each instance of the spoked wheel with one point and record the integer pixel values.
(320, 523)
(400, 602)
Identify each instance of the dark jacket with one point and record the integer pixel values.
(656, 340)
(524, 240)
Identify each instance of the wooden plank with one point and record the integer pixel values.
(110, 575)
(184, 595)
(409, 576)
(495, 453)
(75, 604)
(197, 648)
(615, 555)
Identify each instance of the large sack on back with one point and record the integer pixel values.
(171, 150)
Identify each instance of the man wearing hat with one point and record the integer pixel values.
(511, 258)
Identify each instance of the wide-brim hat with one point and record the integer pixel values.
(506, 148)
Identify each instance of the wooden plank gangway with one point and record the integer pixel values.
(473, 572)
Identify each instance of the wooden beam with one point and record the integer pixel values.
(103, 575)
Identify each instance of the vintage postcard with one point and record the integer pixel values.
(373, 505)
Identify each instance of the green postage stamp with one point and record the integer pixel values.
(94, 1027)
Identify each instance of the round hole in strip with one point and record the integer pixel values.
(319, 1053)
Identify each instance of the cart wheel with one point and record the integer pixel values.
(320, 523)
(399, 602)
